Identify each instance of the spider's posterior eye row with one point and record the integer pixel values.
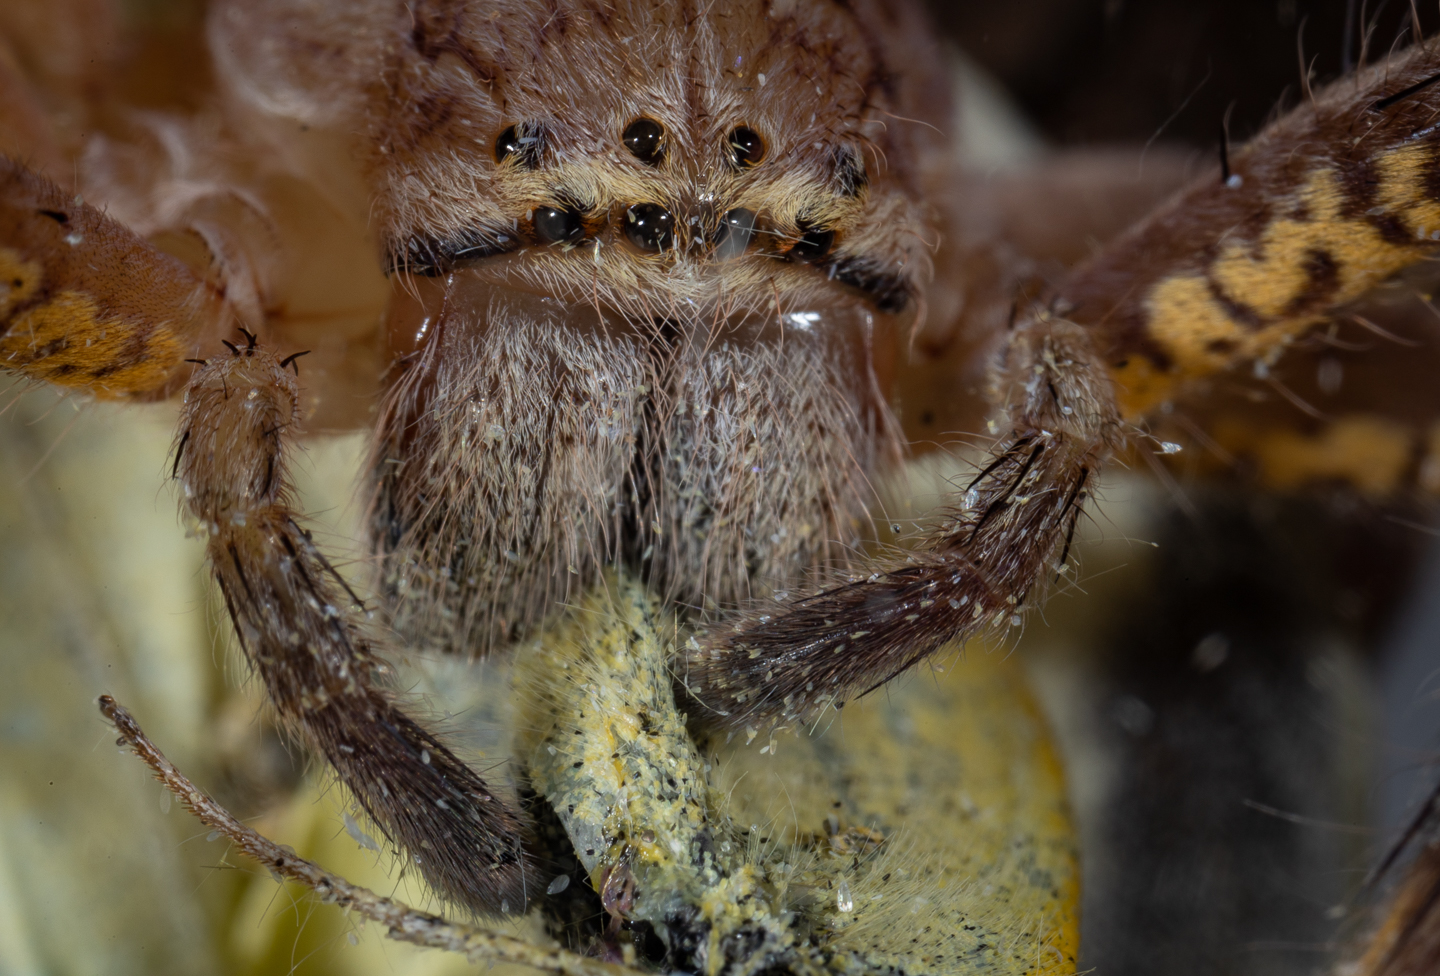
(523, 144)
(644, 138)
(747, 149)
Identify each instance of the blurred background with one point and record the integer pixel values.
(1280, 646)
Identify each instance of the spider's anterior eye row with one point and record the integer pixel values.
(813, 245)
(650, 227)
(734, 233)
(557, 225)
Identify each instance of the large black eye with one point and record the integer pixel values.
(650, 227)
(554, 225)
(734, 233)
(813, 245)
(644, 138)
(746, 147)
(522, 142)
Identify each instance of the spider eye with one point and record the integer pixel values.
(650, 227)
(522, 142)
(554, 225)
(734, 233)
(746, 147)
(644, 138)
(813, 245)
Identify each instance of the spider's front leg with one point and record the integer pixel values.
(87, 304)
(972, 574)
(1326, 204)
(291, 614)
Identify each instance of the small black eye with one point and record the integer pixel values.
(556, 226)
(506, 143)
(650, 227)
(734, 233)
(644, 138)
(523, 142)
(746, 147)
(813, 245)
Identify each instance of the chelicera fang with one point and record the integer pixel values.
(658, 311)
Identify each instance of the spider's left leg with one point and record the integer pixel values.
(1327, 203)
(88, 305)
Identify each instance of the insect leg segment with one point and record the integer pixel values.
(87, 304)
(972, 574)
(291, 614)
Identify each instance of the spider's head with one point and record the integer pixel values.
(641, 164)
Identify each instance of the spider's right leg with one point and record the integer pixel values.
(86, 304)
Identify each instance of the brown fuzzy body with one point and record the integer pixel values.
(717, 417)
(515, 462)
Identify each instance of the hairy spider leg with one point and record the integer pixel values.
(293, 617)
(973, 573)
(1321, 207)
(87, 304)
(1324, 205)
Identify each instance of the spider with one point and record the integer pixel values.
(645, 304)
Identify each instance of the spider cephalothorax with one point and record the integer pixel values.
(660, 316)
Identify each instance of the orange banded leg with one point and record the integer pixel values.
(293, 617)
(1325, 205)
(87, 304)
